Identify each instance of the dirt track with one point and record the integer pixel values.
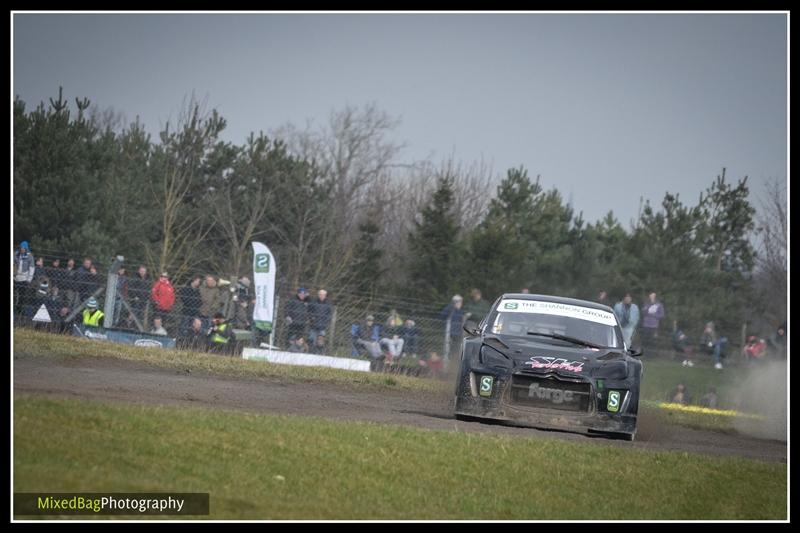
(117, 380)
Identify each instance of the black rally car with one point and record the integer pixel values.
(550, 362)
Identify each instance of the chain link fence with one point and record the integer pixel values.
(404, 335)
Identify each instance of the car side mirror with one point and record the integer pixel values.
(471, 327)
(635, 352)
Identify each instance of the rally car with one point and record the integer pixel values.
(550, 362)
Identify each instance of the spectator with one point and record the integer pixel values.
(139, 290)
(69, 279)
(45, 297)
(92, 315)
(210, 297)
(158, 327)
(163, 294)
(320, 313)
(243, 290)
(602, 298)
(653, 311)
(38, 269)
(433, 363)
(93, 281)
(128, 322)
(189, 296)
(37, 298)
(410, 334)
(53, 273)
(628, 315)
(299, 345)
(394, 320)
(24, 268)
(525, 290)
(24, 264)
(680, 395)
(62, 325)
(453, 315)
(319, 346)
(476, 308)
(296, 316)
(777, 341)
(714, 345)
(83, 279)
(681, 344)
(710, 398)
(391, 339)
(754, 349)
(194, 338)
(243, 316)
(367, 336)
(220, 335)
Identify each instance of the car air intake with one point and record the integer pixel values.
(550, 393)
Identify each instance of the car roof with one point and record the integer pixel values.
(555, 299)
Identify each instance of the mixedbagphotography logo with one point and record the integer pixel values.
(105, 503)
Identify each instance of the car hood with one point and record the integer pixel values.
(541, 356)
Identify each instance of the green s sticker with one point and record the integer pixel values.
(486, 385)
(510, 305)
(613, 401)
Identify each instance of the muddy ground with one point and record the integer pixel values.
(125, 381)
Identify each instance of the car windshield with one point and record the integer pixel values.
(546, 319)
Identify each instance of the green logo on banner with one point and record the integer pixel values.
(613, 401)
(262, 263)
(486, 385)
(511, 305)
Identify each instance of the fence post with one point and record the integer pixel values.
(744, 339)
(446, 354)
(275, 320)
(111, 292)
(331, 339)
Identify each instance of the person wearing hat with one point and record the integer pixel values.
(296, 316)
(24, 267)
(219, 334)
(24, 264)
(92, 315)
(367, 336)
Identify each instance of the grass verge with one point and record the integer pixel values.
(258, 466)
(29, 343)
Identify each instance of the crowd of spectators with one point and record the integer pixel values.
(204, 312)
(57, 297)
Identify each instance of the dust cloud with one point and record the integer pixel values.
(762, 392)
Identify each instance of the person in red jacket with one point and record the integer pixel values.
(163, 294)
(755, 349)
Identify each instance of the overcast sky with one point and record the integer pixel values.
(605, 107)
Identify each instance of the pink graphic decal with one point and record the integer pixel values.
(555, 364)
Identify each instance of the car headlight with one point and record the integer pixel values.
(492, 357)
(611, 370)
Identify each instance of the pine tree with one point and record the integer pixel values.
(434, 247)
(367, 256)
